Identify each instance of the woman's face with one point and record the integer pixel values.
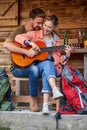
(48, 27)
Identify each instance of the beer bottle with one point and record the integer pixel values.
(66, 38)
(83, 37)
(79, 37)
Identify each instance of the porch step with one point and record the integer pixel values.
(26, 120)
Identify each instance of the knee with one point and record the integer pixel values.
(34, 70)
(14, 72)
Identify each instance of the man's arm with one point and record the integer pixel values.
(8, 44)
(11, 47)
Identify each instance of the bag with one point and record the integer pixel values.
(4, 83)
(6, 106)
(74, 88)
(5, 91)
(65, 107)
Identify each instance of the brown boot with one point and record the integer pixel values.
(34, 104)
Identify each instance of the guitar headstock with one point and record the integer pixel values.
(77, 45)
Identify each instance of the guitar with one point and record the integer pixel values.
(20, 60)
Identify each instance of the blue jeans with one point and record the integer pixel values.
(46, 70)
(33, 74)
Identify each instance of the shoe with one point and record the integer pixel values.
(45, 109)
(56, 93)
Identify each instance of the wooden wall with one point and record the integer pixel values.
(72, 15)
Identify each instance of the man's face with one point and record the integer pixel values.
(37, 23)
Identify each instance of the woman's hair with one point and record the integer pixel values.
(36, 12)
(52, 18)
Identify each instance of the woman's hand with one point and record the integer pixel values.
(68, 50)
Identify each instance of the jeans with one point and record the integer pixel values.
(33, 74)
(45, 69)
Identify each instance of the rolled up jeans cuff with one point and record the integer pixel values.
(46, 91)
(51, 76)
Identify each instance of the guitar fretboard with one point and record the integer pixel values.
(54, 48)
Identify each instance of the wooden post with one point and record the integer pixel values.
(17, 87)
(85, 66)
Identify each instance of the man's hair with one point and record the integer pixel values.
(37, 12)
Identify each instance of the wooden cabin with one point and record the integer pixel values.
(72, 16)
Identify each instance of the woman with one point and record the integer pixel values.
(46, 68)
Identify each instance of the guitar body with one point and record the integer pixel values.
(20, 60)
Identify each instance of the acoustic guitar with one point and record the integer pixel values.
(21, 60)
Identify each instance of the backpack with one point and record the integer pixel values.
(7, 106)
(5, 91)
(74, 88)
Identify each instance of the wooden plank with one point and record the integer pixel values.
(6, 1)
(7, 29)
(18, 99)
(5, 61)
(8, 22)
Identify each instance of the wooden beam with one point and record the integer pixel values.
(85, 66)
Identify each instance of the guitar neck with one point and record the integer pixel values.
(54, 48)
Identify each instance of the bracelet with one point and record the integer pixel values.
(27, 42)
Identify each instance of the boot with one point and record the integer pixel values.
(34, 104)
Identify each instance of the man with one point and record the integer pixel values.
(36, 19)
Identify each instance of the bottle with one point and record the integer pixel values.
(83, 37)
(66, 38)
(79, 37)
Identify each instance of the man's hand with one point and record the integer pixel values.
(34, 46)
(31, 52)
